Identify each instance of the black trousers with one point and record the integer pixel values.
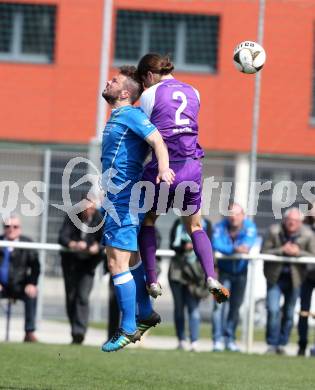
(29, 308)
(113, 311)
(78, 279)
(306, 297)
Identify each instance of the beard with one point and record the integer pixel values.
(111, 99)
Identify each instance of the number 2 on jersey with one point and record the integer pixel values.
(179, 95)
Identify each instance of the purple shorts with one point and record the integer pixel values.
(184, 194)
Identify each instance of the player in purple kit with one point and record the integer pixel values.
(173, 108)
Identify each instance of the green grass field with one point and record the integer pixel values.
(167, 329)
(51, 367)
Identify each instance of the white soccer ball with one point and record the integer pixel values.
(249, 57)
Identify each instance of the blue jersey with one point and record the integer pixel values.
(124, 148)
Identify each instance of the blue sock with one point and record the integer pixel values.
(125, 289)
(143, 298)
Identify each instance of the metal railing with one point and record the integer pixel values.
(166, 253)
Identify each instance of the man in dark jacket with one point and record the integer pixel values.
(19, 271)
(292, 239)
(234, 234)
(79, 265)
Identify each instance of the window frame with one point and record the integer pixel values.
(180, 45)
(16, 54)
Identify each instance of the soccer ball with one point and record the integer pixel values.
(249, 57)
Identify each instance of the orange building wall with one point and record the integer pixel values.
(287, 80)
(57, 103)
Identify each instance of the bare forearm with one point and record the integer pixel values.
(165, 173)
(155, 140)
(162, 156)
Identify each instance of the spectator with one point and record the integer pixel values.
(234, 234)
(187, 282)
(290, 238)
(306, 294)
(79, 266)
(19, 271)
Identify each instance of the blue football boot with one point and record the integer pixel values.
(120, 340)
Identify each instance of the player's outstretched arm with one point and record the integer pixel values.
(166, 174)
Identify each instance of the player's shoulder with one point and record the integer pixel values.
(135, 114)
(138, 112)
(130, 112)
(187, 86)
(123, 111)
(176, 82)
(150, 92)
(125, 116)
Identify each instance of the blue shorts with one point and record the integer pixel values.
(125, 235)
(121, 237)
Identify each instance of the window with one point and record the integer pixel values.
(191, 40)
(27, 32)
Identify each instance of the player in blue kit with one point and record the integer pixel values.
(127, 138)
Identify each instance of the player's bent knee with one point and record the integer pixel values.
(192, 226)
(193, 229)
(115, 267)
(111, 264)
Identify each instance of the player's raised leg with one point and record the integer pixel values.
(147, 317)
(147, 247)
(125, 290)
(203, 249)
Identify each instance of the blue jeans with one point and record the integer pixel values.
(279, 326)
(183, 298)
(306, 297)
(225, 315)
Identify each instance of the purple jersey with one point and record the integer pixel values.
(173, 108)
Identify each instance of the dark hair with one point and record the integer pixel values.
(155, 63)
(133, 83)
(129, 71)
